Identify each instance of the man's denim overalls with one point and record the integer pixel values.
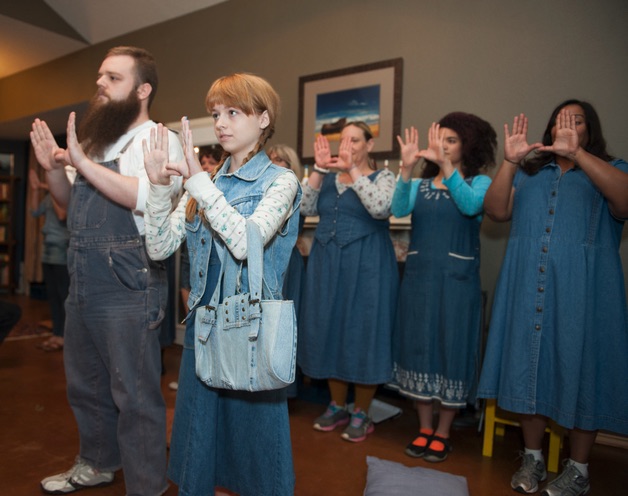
(112, 354)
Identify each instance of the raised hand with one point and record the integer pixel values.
(345, 158)
(322, 153)
(156, 156)
(566, 139)
(74, 155)
(516, 146)
(434, 151)
(190, 165)
(45, 146)
(410, 148)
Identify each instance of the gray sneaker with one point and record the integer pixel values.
(569, 483)
(333, 417)
(80, 476)
(361, 425)
(526, 479)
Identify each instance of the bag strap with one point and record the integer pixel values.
(215, 299)
(255, 259)
(255, 266)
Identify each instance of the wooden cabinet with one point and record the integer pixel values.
(7, 233)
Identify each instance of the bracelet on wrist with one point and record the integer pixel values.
(518, 164)
(320, 170)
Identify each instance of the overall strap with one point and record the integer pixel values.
(125, 147)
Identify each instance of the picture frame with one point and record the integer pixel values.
(369, 92)
(7, 164)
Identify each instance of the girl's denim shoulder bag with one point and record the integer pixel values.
(246, 342)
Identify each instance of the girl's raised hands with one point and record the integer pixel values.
(156, 156)
(192, 164)
(158, 168)
(516, 146)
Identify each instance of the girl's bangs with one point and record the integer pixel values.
(229, 95)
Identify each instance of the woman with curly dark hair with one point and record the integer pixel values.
(558, 338)
(436, 341)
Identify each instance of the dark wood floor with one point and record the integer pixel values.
(38, 435)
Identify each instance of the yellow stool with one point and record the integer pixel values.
(495, 425)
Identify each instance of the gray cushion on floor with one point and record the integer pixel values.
(386, 478)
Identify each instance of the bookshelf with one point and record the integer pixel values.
(7, 233)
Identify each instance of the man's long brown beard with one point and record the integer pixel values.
(104, 123)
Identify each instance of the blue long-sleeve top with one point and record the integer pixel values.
(468, 198)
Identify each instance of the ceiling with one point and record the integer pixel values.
(33, 32)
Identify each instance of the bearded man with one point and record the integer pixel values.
(117, 294)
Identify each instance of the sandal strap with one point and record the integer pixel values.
(428, 439)
(446, 443)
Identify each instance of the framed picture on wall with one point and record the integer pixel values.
(369, 93)
(6, 164)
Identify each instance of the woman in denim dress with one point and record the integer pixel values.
(351, 280)
(436, 344)
(236, 440)
(285, 156)
(558, 338)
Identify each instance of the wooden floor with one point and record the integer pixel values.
(38, 436)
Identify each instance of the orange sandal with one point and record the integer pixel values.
(437, 450)
(417, 448)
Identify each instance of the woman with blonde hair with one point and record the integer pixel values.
(351, 280)
(284, 156)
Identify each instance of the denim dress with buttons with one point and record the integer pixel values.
(436, 343)
(350, 292)
(234, 439)
(558, 339)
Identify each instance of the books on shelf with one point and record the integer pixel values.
(4, 191)
(4, 275)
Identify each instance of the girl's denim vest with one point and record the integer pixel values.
(343, 217)
(243, 189)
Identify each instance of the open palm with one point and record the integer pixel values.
(409, 148)
(566, 140)
(156, 155)
(434, 151)
(44, 146)
(516, 146)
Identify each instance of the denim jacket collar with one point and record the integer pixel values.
(251, 171)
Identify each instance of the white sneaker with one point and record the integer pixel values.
(80, 476)
(526, 479)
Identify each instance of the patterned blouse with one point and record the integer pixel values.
(376, 196)
(165, 231)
